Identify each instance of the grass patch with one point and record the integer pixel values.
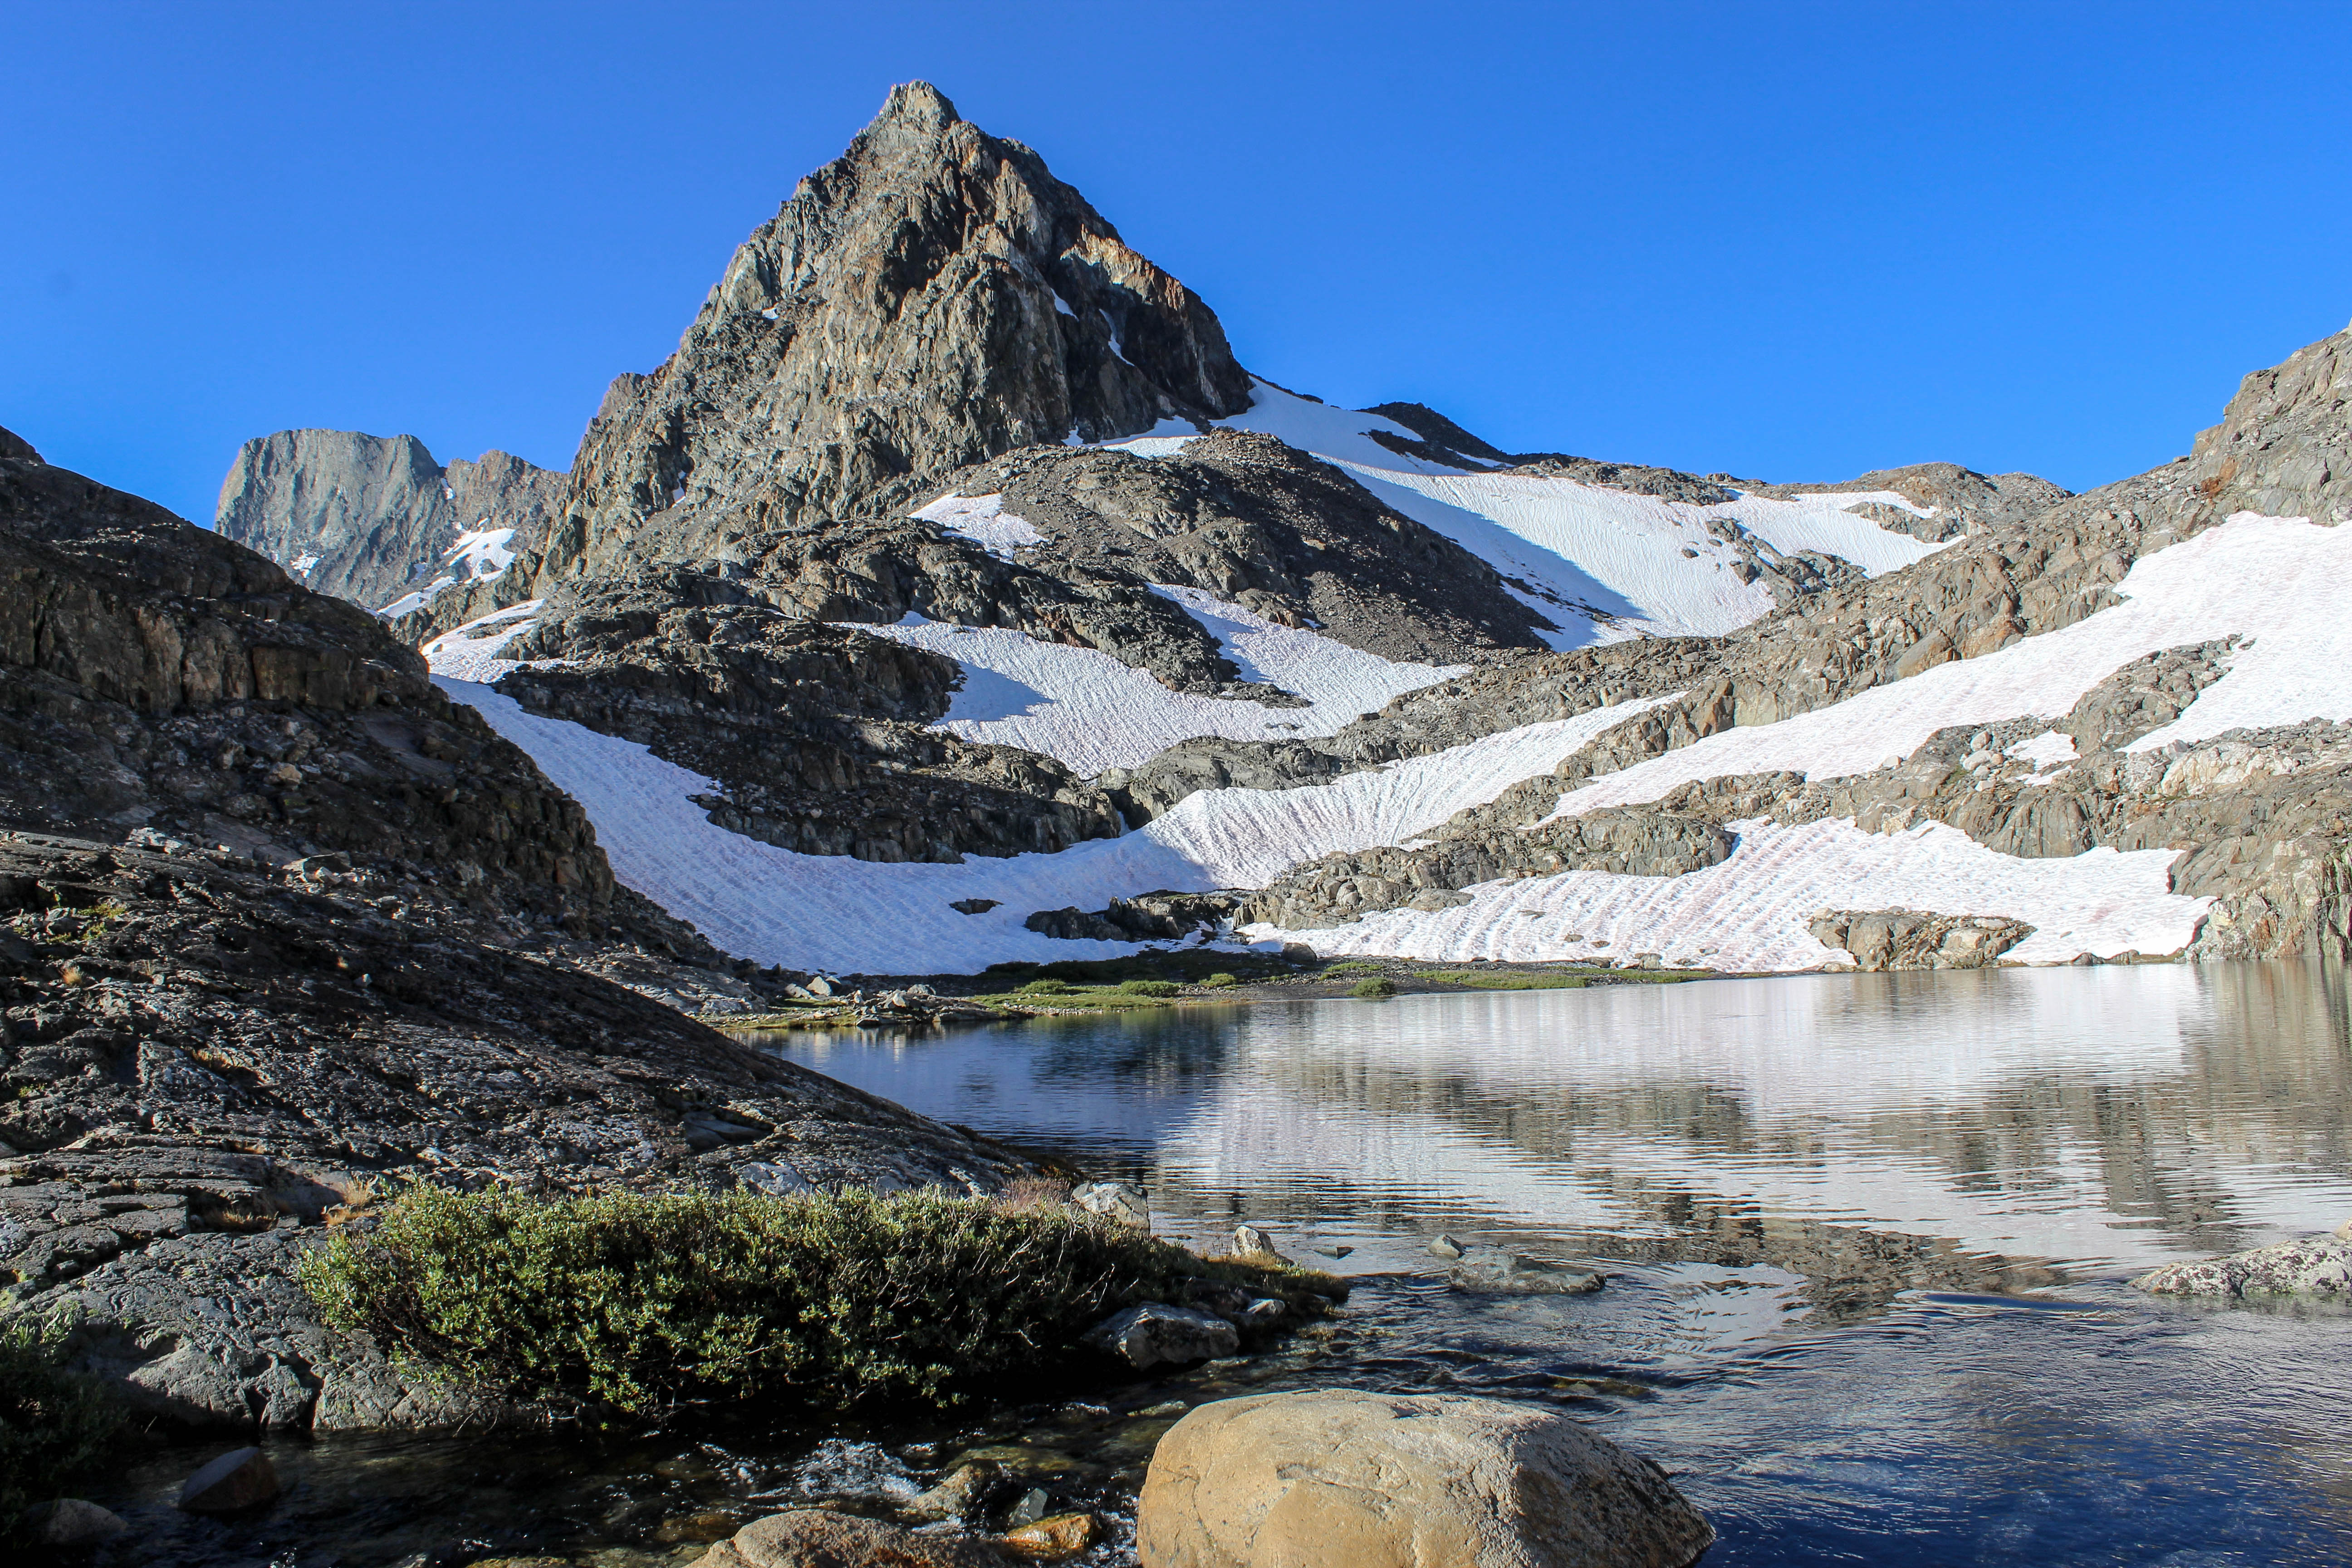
(639, 1304)
(1065, 998)
(1483, 981)
(56, 1428)
(1377, 988)
(1221, 980)
(1352, 966)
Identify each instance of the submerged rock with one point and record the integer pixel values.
(1157, 1334)
(239, 1480)
(1490, 1272)
(2315, 1266)
(819, 1538)
(1347, 1476)
(69, 1522)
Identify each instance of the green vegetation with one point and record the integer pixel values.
(1186, 967)
(1149, 988)
(638, 1304)
(1353, 966)
(56, 1428)
(1556, 979)
(1045, 988)
(1063, 998)
(1379, 988)
(1221, 979)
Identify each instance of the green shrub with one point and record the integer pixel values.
(1149, 988)
(1221, 979)
(1352, 966)
(642, 1303)
(1046, 988)
(56, 1428)
(1379, 988)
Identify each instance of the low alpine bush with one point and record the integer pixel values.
(1149, 988)
(1377, 988)
(639, 1303)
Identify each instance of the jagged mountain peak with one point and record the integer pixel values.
(16, 449)
(933, 297)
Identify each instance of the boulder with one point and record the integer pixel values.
(1345, 1477)
(1256, 1245)
(1488, 1272)
(69, 1522)
(239, 1480)
(2315, 1265)
(1156, 1334)
(963, 1493)
(819, 1538)
(1052, 1540)
(1120, 1201)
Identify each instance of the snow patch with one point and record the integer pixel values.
(481, 556)
(1752, 911)
(984, 521)
(1084, 707)
(471, 652)
(2046, 750)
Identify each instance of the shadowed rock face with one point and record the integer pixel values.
(931, 297)
(368, 518)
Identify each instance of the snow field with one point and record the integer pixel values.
(2276, 580)
(1752, 911)
(1086, 708)
(831, 912)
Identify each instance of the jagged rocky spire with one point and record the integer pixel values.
(930, 299)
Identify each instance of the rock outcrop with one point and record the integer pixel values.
(1918, 939)
(2318, 1265)
(1344, 1477)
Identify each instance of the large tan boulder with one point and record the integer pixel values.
(818, 1537)
(1348, 1478)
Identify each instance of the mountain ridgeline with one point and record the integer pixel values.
(954, 533)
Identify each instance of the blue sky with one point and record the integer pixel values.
(1790, 241)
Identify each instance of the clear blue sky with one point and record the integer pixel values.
(1790, 241)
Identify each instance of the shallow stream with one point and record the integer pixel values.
(1867, 1238)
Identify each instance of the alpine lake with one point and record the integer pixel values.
(1867, 1241)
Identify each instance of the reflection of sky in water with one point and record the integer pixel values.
(2117, 1116)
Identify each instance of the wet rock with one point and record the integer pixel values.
(1029, 1509)
(239, 1480)
(963, 1493)
(69, 1522)
(1121, 1201)
(1447, 1245)
(1156, 1334)
(1490, 1271)
(819, 1538)
(1052, 1540)
(2315, 1266)
(1345, 1477)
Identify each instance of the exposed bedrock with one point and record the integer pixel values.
(1918, 939)
(1147, 916)
(814, 733)
(1959, 500)
(1341, 888)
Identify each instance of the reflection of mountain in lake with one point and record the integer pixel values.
(2109, 1116)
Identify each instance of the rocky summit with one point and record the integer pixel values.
(953, 587)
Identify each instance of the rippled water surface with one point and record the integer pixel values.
(1867, 1238)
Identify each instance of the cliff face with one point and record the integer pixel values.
(374, 519)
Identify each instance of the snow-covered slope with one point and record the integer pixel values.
(481, 555)
(814, 911)
(1602, 564)
(1086, 708)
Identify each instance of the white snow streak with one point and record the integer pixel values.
(470, 652)
(2277, 580)
(1752, 911)
(479, 556)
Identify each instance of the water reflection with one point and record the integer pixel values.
(2105, 1117)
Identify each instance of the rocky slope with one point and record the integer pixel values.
(281, 927)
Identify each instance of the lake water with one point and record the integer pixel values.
(1868, 1234)
(1867, 1239)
